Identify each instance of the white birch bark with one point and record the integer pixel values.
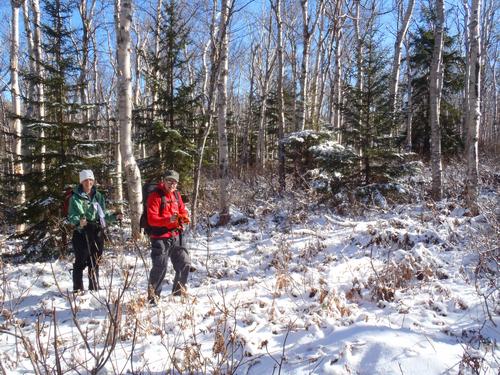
(337, 19)
(281, 101)
(489, 125)
(359, 63)
(436, 76)
(265, 77)
(473, 110)
(463, 128)
(222, 114)
(157, 56)
(396, 62)
(409, 95)
(316, 81)
(16, 124)
(132, 172)
(308, 28)
(37, 40)
(31, 95)
(208, 89)
(86, 15)
(245, 147)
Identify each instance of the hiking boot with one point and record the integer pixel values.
(153, 298)
(180, 290)
(78, 292)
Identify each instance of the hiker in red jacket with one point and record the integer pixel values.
(166, 215)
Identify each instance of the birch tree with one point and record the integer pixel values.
(16, 124)
(398, 46)
(435, 86)
(32, 68)
(86, 11)
(124, 10)
(210, 53)
(267, 58)
(37, 41)
(337, 20)
(281, 101)
(409, 96)
(308, 29)
(473, 109)
(245, 147)
(222, 113)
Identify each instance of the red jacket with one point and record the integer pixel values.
(171, 208)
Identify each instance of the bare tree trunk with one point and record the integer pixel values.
(359, 65)
(281, 101)
(436, 76)
(31, 95)
(409, 94)
(245, 147)
(265, 77)
(5, 145)
(222, 114)
(295, 78)
(396, 62)
(495, 123)
(489, 50)
(86, 18)
(463, 128)
(37, 40)
(209, 90)
(16, 124)
(115, 139)
(157, 54)
(338, 87)
(124, 11)
(473, 109)
(119, 170)
(209, 80)
(308, 28)
(316, 78)
(334, 13)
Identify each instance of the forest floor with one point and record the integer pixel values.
(289, 287)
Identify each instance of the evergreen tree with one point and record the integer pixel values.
(451, 112)
(167, 125)
(66, 151)
(367, 113)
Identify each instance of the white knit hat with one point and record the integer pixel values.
(86, 174)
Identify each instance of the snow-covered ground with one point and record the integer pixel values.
(407, 289)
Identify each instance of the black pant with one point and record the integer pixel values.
(88, 245)
(161, 250)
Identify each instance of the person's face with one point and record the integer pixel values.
(87, 185)
(170, 184)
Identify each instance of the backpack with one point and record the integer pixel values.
(68, 193)
(147, 189)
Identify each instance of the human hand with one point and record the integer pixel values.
(174, 218)
(183, 219)
(83, 222)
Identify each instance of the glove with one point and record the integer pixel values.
(83, 222)
(183, 219)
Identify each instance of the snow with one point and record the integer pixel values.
(283, 290)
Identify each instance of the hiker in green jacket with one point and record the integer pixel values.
(87, 211)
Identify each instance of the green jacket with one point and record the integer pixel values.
(81, 205)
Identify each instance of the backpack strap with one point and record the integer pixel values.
(163, 197)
